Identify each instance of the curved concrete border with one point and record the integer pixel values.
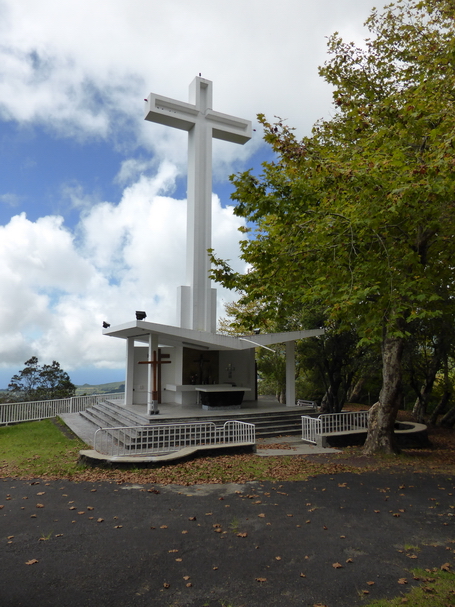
(92, 457)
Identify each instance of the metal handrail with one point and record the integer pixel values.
(333, 423)
(167, 438)
(12, 413)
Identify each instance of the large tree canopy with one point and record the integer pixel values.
(360, 216)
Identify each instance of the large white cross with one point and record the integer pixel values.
(197, 305)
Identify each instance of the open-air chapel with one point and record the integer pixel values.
(189, 364)
(186, 384)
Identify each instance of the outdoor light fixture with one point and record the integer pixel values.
(256, 331)
(140, 315)
(106, 325)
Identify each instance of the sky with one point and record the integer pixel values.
(92, 197)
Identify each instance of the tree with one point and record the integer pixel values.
(41, 383)
(359, 217)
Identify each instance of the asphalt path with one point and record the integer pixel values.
(337, 540)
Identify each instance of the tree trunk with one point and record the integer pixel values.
(448, 421)
(440, 408)
(355, 392)
(420, 406)
(381, 422)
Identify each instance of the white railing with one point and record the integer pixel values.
(333, 423)
(12, 413)
(168, 438)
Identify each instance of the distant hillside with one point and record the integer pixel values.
(88, 389)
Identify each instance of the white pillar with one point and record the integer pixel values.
(152, 405)
(290, 374)
(129, 379)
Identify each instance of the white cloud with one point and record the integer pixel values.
(56, 288)
(83, 68)
(80, 70)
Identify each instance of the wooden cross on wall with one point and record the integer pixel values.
(155, 362)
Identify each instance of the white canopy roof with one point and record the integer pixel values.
(176, 336)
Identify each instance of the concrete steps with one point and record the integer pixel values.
(108, 415)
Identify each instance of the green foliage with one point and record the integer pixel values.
(359, 218)
(37, 382)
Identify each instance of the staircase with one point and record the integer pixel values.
(267, 424)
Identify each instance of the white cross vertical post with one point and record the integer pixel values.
(197, 303)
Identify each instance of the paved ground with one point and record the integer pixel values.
(322, 541)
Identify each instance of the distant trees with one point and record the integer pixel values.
(37, 382)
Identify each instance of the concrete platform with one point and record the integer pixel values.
(288, 445)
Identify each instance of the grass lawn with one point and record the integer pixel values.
(437, 590)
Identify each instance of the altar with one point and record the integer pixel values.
(221, 396)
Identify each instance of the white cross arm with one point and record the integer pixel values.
(229, 128)
(170, 112)
(184, 116)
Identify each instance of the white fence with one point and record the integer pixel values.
(12, 413)
(333, 423)
(167, 438)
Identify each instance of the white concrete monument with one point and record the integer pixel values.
(204, 365)
(197, 300)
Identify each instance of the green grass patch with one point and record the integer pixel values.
(34, 449)
(437, 589)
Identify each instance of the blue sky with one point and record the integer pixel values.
(92, 198)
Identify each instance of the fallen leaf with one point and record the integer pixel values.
(337, 565)
(192, 518)
(40, 505)
(166, 585)
(186, 577)
(370, 583)
(178, 560)
(99, 520)
(118, 526)
(183, 532)
(173, 550)
(31, 562)
(188, 585)
(365, 591)
(262, 515)
(402, 580)
(278, 558)
(242, 534)
(261, 579)
(349, 561)
(445, 567)
(302, 575)
(163, 527)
